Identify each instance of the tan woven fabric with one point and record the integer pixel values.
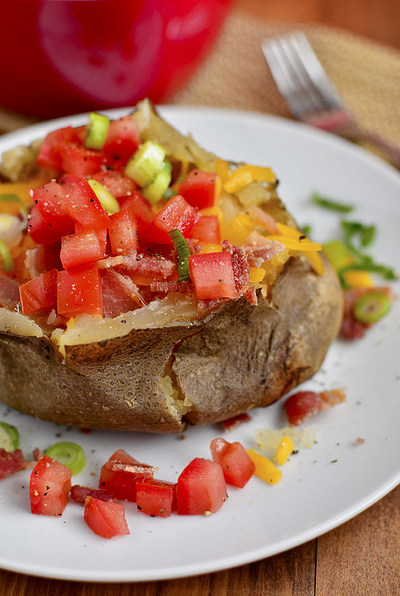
(236, 75)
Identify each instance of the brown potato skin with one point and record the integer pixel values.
(242, 357)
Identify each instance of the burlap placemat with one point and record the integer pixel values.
(235, 75)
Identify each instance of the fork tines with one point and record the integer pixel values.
(300, 76)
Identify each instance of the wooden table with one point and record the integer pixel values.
(362, 556)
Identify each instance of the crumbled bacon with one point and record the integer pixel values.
(11, 462)
(9, 292)
(120, 294)
(236, 421)
(239, 264)
(163, 287)
(79, 493)
(259, 250)
(37, 454)
(303, 404)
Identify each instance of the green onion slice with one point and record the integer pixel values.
(12, 198)
(371, 307)
(330, 204)
(96, 131)
(366, 264)
(69, 454)
(9, 437)
(337, 254)
(146, 163)
(183, 251)
(107, 200)
(6, 260)
(156, 189)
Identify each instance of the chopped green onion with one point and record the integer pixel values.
(156, 189)
(337, 253)
(6, 262)
(371, 307)
(96, 131)
(169, 193)
(9, 437)
(330, 204)
(354, 228)
(146, 163)
(107, 200)
(306, 229)
(12, 198)
(182, 248)
(69, 454)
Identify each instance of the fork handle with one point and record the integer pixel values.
(391, 151)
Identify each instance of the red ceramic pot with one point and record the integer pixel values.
(65, 56)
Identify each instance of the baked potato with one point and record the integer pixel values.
(177, 359)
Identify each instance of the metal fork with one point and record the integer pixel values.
(311, 95)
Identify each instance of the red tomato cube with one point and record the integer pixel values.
(49, 156)
(201, 488)
(123, 138)
(177, 214)
(198, 188)
(207, 230)
(107, 519)
(39, 293)
(83, 206)
(79, 292)
(212, 275)
(138, 205)
(123, 232)
(39, 230)
(76, 159)
(116, 182)
(80, 249)
(236, 464)
(49, 486)
(50, 201)
(156, 497)
(120, 473)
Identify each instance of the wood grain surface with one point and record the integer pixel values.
(361, 557)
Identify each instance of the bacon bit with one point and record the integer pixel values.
(163, 287)
(260, 250)
(11, 462)
(360, 440)
(37, 454)
(79, 493)
(303, 404)
(120, 294)
(239, 264)
(9, 292)
(235, 421)
(250, 295)
(263, 219)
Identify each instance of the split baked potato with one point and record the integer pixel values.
(170, 363)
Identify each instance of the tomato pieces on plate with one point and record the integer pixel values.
(156, 497)
(236, 464)
(120, 473)
(49, 487)
(107, 519)
(201, 488)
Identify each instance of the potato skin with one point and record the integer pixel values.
(242, 357)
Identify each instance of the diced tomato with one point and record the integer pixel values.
(123, 232)
(212, 275)
(76, 159)
(39, 293)
(106, 519)
(207, 230)
(49, 486)
(156, 497)
(301, 405)
(79, 292)
(11, 462)
(50, 203)
(198, 188)
(82, 204)
(120, 474)
(40, 231)
(79, 493)
(123, 138)
(80, 249)
(235, 421)
(150, 235)
(116, 182)
(49, 155)
(139, 206)
(67, 181)
(201, 488)
(177, 214)
(236, 464)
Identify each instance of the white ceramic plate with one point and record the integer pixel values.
(323, 486)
